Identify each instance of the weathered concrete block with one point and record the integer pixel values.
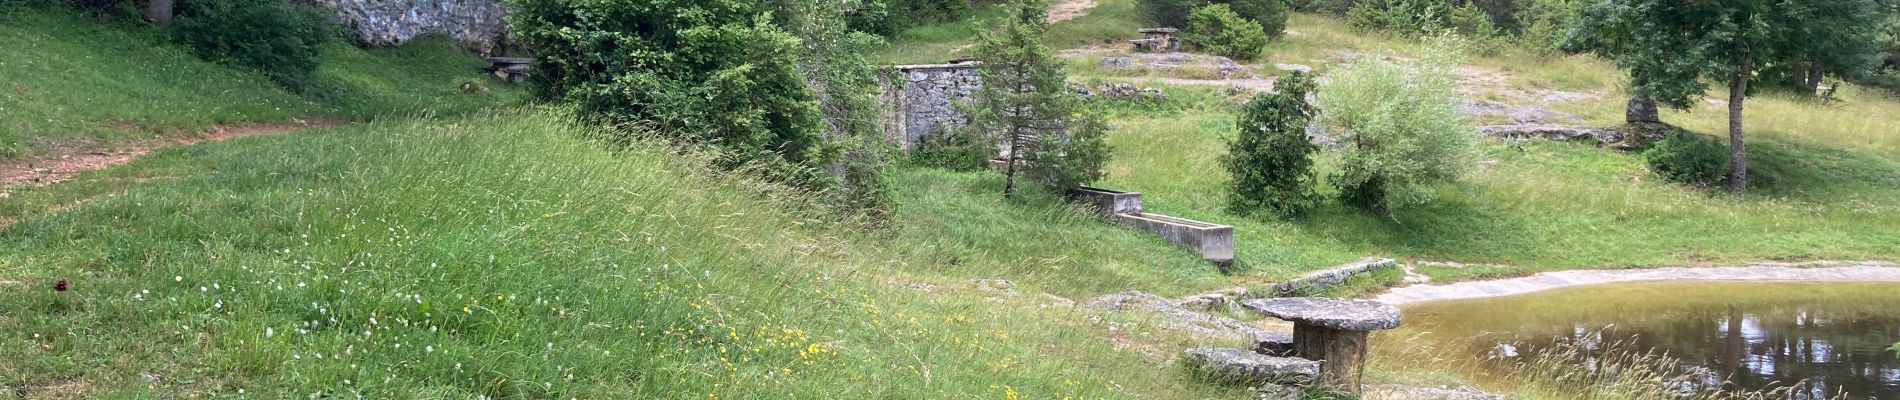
(1109, 202)
(1213, 241)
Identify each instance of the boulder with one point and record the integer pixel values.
(1280, 392)
(1238, 366)
(1116, 62)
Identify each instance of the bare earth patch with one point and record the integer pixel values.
(68, 162)
(1069, 9)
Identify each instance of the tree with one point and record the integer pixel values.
(1025, 103)
(831, 56)
(1216, 29)
(1671, 46)
(1270, 14)
(1270, 158)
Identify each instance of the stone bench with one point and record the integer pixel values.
(1331, 331)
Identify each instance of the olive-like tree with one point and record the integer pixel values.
(1671, 47)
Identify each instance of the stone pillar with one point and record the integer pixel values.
(1341, 355)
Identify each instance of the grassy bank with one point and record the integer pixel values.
(74, 80)
(436, 259)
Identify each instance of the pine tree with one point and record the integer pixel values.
(1024, 104)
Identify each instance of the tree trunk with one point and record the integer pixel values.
(1641, 109)
(1813, 79)
(1738, 154)
(160, 12)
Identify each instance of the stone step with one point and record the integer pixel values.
(1242, 367)
(1278, 344)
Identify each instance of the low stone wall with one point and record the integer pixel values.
(477, 24)
(924, 100)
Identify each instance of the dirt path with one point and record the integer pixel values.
(67, 162)
(1069, 9)
(1873, 271)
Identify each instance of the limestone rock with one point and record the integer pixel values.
(1533, 115)
(1249, 368)
(1280, 392)
(1294, 67)
(1174, 317)
(1553, 132)
(1331, 276)
(1454, 392)
(477, 24)
(1116, 62)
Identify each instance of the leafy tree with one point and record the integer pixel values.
(1418, 17)
(1218, 30)
(1542, 25)
(1271, 159)
(718, 72)
(1671, 47)
(1169, 13)
(1407, 134)
(1025, 103)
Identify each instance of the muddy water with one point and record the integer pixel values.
(1834, 337)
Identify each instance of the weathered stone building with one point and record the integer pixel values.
(477, 24)
(924, 100)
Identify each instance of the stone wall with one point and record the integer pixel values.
(923, 100)
(476, 24)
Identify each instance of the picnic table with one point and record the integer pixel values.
(1331, 331)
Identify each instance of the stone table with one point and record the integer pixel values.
(1331, 331)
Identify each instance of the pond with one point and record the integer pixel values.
(1833, 336)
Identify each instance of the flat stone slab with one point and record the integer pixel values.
(1254, 369)
(1341, 314)
(1273, 343)
(1326, 278)
(1171, 316)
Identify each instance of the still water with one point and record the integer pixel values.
(1833, 336)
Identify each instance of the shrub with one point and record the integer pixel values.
(1168, 13)
(1416, 17)
(1542, 25)
(1271, 14)
(1216, 29)
(1407, 135)
(957, 150)
(1688, 158)
(1270, 158)
(717, 74)
(280, 39)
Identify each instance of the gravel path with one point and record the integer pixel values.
(1873, 271)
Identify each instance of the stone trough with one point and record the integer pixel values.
(1214, 242)
(1109, 202)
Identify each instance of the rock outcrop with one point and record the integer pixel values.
(1249, 368)
(477, 24)
(1171, 316)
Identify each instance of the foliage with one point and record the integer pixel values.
(831, 55)
(1026, 104)
(281, 39)
(1688, 158)
(1216, 29)
(961, 150)
(1542, 25)
(1672, 48)
(1331, 7)
(719, 73)
(1270, 14)
(1419, 17)
(1271, 159)
(1407, 133)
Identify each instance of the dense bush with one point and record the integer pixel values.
(1216, 29)
(1270, 158)
(710, 72)
(1333, 7)
(956, 150)
(1407, 134)
(1688, 158)
(1415, 17)
(1542, 25)
(831, 55)
(1270, 14)
(280, 39)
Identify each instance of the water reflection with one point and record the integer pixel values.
(1830, 338)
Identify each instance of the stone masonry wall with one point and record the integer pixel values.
(922, 100)
(476, 24)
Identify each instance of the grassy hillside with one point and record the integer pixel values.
(435, 259)
(76, 80)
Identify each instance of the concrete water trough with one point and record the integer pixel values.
(1108, 202)
(1214, 242)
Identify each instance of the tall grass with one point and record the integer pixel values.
(1566, 370)
(504, 256)
(75, 80)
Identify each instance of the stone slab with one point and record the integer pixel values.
(1341, 314)
(1253, 369)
